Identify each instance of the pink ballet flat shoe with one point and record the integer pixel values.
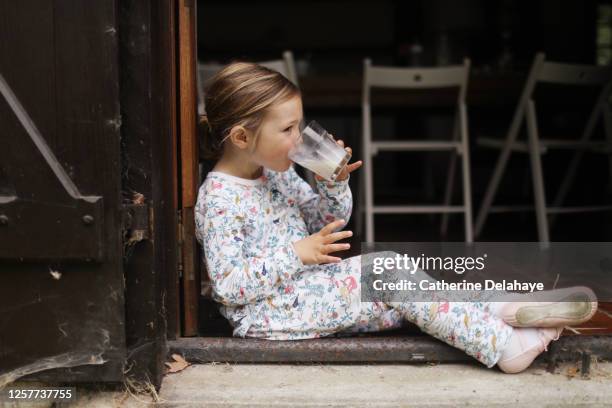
(559, 307)
(528, 352)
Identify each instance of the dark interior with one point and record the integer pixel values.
(330, 39)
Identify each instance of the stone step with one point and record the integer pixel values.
(271, 385)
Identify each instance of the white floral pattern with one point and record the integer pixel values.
(247, 228)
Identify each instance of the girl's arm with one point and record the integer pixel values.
(331, 203)
(237, 277)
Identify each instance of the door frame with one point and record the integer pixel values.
(149, 183)
(188, 163)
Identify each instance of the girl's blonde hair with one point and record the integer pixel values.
(240, 94)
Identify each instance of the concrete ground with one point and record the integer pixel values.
(250, 385)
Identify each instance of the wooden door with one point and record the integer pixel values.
(61, 272)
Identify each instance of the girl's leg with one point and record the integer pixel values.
(319, 302)
(524, 346)
(375, 317)
(467, 325)
(474, 326)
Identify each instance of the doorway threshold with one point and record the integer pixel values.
(371, 349)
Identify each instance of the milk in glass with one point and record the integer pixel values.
(317, 151)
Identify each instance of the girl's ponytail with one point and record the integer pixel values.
(209, 148)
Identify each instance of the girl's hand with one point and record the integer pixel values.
(347, 169)
(315, 248)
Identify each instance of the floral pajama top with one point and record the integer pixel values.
(247, 228)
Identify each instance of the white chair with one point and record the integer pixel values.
(416, 79)
(205, 72)
(560, 74)
(285, 66)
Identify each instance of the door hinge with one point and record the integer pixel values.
(180, 241)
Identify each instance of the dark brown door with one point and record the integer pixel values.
(61, 274)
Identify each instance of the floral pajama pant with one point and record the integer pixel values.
(327, 300)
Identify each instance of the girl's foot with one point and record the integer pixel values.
(525, 345)
(559, 307)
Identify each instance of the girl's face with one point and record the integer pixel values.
(279, 131)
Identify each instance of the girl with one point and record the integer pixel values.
(269, 241)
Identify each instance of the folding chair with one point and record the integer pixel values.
(416, 79)
(286, 66)
(205, 72)
(561, 74)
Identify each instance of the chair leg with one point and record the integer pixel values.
(607, 116)
(500, 167)
(467, 183)
(450, 183)
(570, 174)
(448, 194)
(538, 178)
(368, 168)
(568, 180)
(369, 198)
(360, 205)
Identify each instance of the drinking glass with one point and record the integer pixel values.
(317, 151)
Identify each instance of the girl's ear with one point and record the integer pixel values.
(239, 136)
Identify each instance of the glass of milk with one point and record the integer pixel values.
(317, 151)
